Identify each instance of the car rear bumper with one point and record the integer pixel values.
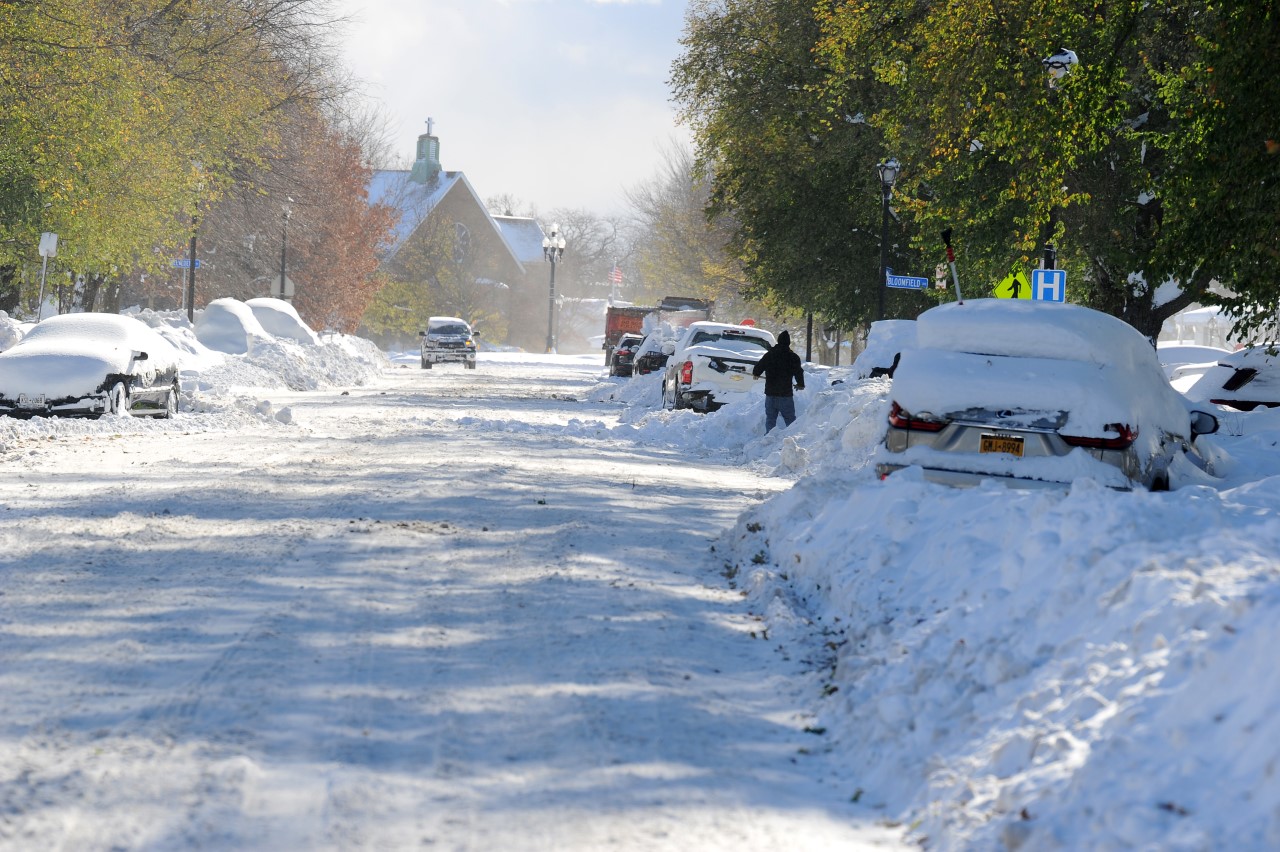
(89, 406)
(969, 479)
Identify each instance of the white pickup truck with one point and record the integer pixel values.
(448, 340)
(711, 363)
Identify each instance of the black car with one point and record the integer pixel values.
(1244, 380)
(88, 365)
(624, 355)
(650, 358)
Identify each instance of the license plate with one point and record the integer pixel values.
(30, 401)
(1001, 444)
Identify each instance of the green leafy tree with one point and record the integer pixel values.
(791, 171)
(1219, 211)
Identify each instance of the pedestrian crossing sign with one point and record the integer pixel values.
(1014, 286)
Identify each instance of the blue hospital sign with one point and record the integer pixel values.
(1049, 285)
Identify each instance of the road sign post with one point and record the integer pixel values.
(48, 249)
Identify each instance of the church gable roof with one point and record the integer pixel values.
(524, 236)
(415, 201)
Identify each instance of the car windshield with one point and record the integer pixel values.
(451, 328)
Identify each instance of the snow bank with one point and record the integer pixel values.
(1015, 670)
(223, 390)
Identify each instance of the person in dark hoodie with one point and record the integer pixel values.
(780, 366)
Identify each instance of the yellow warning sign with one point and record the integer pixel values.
(1014, 286)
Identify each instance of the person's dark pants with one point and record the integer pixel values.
(775, 405)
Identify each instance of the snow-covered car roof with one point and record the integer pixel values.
(73, 354)
(229, 325)
(1034, 329)
(1054, 357)
(885, 341)
(446, 321)
(281, 319)
(723, 328)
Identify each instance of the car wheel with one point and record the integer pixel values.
(426, 365)
(471, 365)
(171, 403)
(118, 399)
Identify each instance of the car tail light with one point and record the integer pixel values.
(686, 373)
(1125, 436)
(901, 419)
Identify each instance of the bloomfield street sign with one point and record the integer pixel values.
(905, 282)
(184, 263)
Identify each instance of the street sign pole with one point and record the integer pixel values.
(44, 267)
(951, 261)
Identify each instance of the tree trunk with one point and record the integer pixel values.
(10, 289)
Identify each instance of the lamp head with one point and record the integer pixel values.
(889, 171)
(1059, 65)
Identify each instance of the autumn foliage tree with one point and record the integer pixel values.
(339, 232)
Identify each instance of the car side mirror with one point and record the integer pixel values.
(422, 334)
(475, 332)
(140, 356)
(668, 348)
(1203, 423)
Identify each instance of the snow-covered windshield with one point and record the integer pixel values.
(451, 328)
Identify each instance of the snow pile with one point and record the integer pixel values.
(221, 389)
(11, 331)
(1008, 668)
(1014, 670)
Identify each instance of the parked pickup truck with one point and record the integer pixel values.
(711, 363)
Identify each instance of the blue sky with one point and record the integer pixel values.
(560, 103)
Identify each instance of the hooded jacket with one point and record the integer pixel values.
(780, 365)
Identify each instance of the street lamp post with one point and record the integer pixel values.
(552, 251)
(191, 271)
(1058, 66)
(889, 171)
(284, 247)
(191, 258)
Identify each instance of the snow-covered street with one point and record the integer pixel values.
(438, 610)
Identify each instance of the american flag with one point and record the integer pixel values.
(615, 277)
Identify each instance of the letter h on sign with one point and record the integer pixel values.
(1049, 285)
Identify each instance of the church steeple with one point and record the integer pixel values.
(427, 165)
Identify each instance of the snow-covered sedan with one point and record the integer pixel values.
(711, 363)
(87, 365)
(1031, 394)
